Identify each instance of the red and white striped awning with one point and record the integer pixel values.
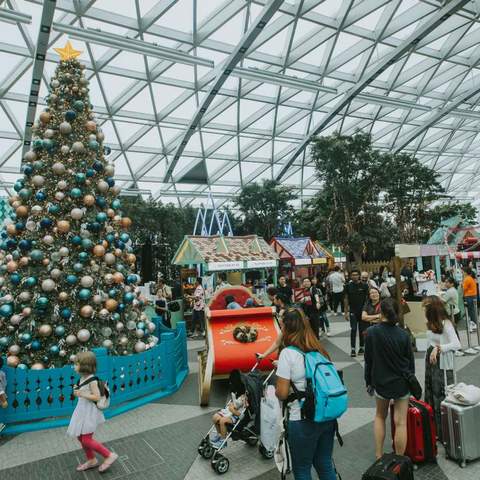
(467, 255)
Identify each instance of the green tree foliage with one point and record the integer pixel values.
(371, 200)
(409, 189)
(265, 208)
(350, 170)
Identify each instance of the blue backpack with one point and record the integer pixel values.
(325, 397)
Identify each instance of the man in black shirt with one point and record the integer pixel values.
(356, 293)
(283, 288)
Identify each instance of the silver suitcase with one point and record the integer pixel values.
(461, 429)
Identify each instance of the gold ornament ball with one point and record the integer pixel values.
(22, 211)
(45, 117)
(45, 262)
(111, 213)
(111, 305)
(118, 277)
(37, 366)
(126, 222)
(117, 252)
(45, 330)
(26, 311)
(12, 266)
(23, 262)
(88, 200)
(86, 311)
(131, 258)
(99, 250)
(13, 199)
(91, 126)
(63, 296)
(11, 230)
(63, 226)
(13, 361)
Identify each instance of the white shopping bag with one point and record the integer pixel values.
(270, 419)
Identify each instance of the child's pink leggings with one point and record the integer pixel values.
(90, 446)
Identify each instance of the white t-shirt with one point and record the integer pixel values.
(337, 281)
(291, 366)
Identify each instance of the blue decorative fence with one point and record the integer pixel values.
(40, 399)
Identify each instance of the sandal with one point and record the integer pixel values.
(107, 462)
(86, 466)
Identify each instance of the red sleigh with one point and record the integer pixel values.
(223, 352)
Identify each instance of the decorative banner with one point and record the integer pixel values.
(303, 261)
(219, 266)
(261, 263)
(319, 261)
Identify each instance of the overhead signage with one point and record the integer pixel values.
(219, 266)
(261, 263)
(319, 261)
(303, 261)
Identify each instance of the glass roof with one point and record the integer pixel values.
(204, 96)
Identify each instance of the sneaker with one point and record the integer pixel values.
(328, 332)
(473, 327)
(459, 353)
(361, 351)
(353, 353)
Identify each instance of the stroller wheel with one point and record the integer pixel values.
(220, 464)
(252, 441)
(268, 454)
(207, 451)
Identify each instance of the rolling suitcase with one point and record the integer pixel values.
(390, 467)
(460, 428)
(421, 432)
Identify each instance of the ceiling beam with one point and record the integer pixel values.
(436, 19)
(222, 74)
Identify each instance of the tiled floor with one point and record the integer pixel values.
(159, 441)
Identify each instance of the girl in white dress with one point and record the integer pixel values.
(86, 416)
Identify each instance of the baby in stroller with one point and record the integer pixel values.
(232, 412)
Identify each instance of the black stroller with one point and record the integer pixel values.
(247, 427)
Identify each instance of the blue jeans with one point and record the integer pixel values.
(472, 311)
(311, 444)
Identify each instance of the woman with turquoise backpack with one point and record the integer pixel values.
(314, 396)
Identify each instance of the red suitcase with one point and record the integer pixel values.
(421, 432)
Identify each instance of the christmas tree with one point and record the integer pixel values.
(66, 264)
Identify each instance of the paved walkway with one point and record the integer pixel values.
(159, 441)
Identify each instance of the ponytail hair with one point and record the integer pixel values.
(389, 309)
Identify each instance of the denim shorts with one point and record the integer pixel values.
(405, 397)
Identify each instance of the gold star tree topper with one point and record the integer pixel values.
(68, 52)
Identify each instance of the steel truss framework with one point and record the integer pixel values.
(200, 97)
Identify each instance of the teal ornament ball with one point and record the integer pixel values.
(117, 316)
(77, 267)
(6, 310)
(93, 145)
(42, 302)
(71, 279)
(54, 350)
(59, 330)
(36, 255)
(70, 115)
(83, 256)
(113, 292)
(78, 105)
(128, 297)
(87, 243)
(31, 281)
(36, 345)
(116, 204)
(37, 165)
(37, 144)
(21, 366)
(25, 193)
(101, 217)
(124, 237)
(54, 208)
(84, 294)
(25, 338)
(80, 177)
(75, 193)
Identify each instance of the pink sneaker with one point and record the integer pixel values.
(108, 462)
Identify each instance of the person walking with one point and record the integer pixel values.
(198, 313)
(337, 288)
(388, 361)
(450, 298)
(311, 443)
(87, 417)
(310, 303)
(356, 294)
(470, 293)
(284, 288)
(442, 342)
(322, 305)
